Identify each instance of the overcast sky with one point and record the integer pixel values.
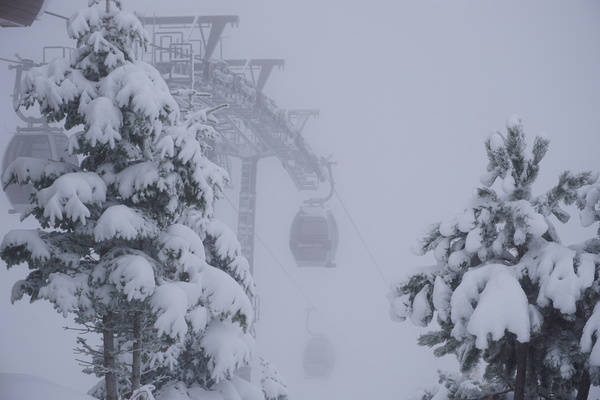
(408, 92)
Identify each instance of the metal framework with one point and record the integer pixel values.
(252, 127)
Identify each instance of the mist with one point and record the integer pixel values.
(407, 91)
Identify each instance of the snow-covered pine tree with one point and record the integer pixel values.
(505, 290)
(274, 386)
(588, 202)
(129, 243)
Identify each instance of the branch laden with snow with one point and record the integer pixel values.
(503, 278)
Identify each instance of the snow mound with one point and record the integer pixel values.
(27, 387)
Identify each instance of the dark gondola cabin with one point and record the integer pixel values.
(40, 143)
(319, 358)
(314, 237)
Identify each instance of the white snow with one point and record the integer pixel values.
(27, 387)
(227, 346)
(139, 86)
(500, 305)
(226, 242)
(134, 276)
(198, 318)
(441, 297)
(457, 259)
(535, 223)
(591, 332)
(67, 293)
(179, 391)
(508, 184)
(561, 280)
(182, 246)
(441, 250)
(30, 239)
(51, 84)
(68, 195)
(246, 390)
(123, 222)
(591, 204)
(514, 123)
(273, 384)
(399, 307)
(103, 120)
(170, 303)
(421, 310)
(30, 169)
(496, 141)
(465, 221)
(448, 226)
(474, 240)
(224, 294)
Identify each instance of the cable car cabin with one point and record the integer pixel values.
(319, 358)
(314, 237)
(43, 144)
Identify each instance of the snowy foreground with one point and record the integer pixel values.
(27, 387)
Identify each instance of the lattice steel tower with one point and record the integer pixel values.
(252, 127)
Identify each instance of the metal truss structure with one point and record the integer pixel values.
(183, 50)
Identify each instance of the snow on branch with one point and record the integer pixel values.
(103, 120)
(27, 243)
(227, 347)
(25, 170)
(489, 301)
(589, 339)
(67, 292)
(50, 86)
(69, 194)
(562, 275)
(588, 201)
(273, 384)
(182, 247)
(133, 274)
(123, 222)
(224, 296)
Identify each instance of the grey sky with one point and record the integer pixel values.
(408, 91)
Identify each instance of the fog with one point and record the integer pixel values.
(407, 92)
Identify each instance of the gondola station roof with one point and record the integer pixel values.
(19, 13)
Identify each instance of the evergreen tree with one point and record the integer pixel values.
(505, 290)
(273, 385)
(588, 201)
(129, 244)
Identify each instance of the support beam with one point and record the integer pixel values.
(300, 117)
(214, 23)
(264, 65)
(247, 209)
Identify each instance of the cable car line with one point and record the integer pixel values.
(302, 292)
(360, 236)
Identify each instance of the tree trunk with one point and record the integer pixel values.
(522, 352)
(136, 365)
(584, 386)
(110, 378)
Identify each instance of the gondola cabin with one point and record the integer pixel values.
(319, 357)
(46, 144)
(314, 237)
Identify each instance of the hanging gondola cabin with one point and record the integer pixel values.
(319, 357)
(43, 143)
(314, 237)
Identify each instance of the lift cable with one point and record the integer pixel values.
(304, 294)
(360, 236)
(413, 328)
(57, 15)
